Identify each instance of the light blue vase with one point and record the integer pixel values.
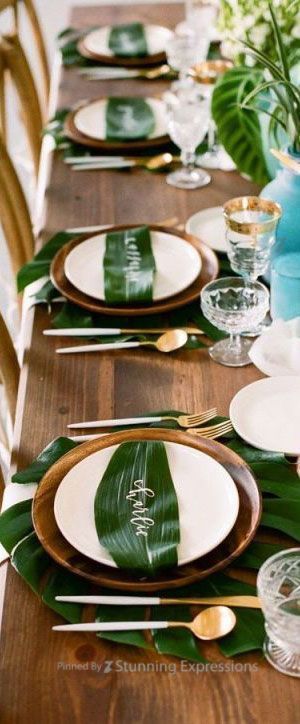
(285, 189)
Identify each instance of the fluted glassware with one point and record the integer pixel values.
(187, 120)
(233, 305)
(251, 224)
(278, 587)
(184, 50)
(206, 75)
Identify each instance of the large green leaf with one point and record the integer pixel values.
(239, 129)
(136, 508)
(129, 119)
(283, 515)
(31, 561)
(124, 613)
(129, 266)
(40, 264)
(128, 40)
(34, 472)
(15, 524)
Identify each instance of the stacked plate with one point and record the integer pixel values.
(183, 266)
(86, 125)
(218, 499)
(95, 46)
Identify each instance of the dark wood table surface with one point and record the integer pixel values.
(36, 686)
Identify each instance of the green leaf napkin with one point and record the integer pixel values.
(136, 508)
(129, 266)
(128, 119)
(128, 40)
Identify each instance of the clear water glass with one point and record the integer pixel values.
(183, 51)
(187, 119)
(285, 286)
(234, 305)
(251, 224)
(278, 587)
(206, 75)
(202, 15)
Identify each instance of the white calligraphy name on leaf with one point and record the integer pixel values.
(138, 518)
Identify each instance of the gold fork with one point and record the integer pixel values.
(213, 431)
(193, 420)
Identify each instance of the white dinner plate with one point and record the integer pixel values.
(178, 264)
(91, 119)
(209, 226)
(208, 502)
(156, 38)
(266, 414)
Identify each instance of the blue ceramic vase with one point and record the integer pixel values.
(285, 189)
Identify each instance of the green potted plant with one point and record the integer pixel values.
(245, 96)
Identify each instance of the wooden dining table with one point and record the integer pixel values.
(60, 678)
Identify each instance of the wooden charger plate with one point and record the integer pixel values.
(63, 553)
(209, 271)
(72, 132)
(154, 59)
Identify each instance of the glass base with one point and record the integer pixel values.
(282, 659)
(216, 158)
(188, 178)
(225, 353)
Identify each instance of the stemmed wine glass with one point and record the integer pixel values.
(184, 50)
(187, 120)
(233, 305)
(206, 74)
(251, 224)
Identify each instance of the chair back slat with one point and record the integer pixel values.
(9, 368)
(14, 60)
(14, 214)
(37, 34)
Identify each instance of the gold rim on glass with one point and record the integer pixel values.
(251, 203)
(209, 70)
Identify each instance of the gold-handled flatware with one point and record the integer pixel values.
(168, 342)
(182, 420)
(237, 601)
(155, 163)
(212, 431)
(210, 624)
(286, 160)
(113, 73)
(111, 331)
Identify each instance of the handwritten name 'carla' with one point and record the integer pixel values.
(139, 518)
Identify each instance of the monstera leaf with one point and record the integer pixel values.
(238, 128)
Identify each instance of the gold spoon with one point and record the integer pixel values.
(168, 342)
(210, 624)
(151, 164)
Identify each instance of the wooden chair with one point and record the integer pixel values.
(13, 61)
(36, 32)
(9, 368)
(14, 213)
(9, 374)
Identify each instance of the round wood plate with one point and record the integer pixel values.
(63, 553)
(154, 59)
(125, 147)
(209, 271)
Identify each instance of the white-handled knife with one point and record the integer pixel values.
(115, 423)
(240, 601)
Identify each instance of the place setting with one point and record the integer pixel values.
(127, 45)
(153, 504)
(134, 271)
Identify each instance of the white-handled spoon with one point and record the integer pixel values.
(168, 342)
(210, 624)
